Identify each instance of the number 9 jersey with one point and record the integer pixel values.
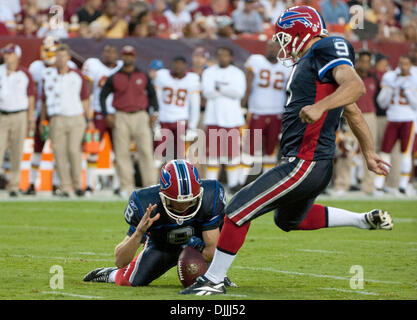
(267, 95)
(311, 80)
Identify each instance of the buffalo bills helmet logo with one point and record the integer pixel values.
(288, 18)
(165, 179)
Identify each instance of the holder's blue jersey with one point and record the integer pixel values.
(312, 80)
(165, 232)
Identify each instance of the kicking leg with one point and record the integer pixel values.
(318, 216)
(256, 199)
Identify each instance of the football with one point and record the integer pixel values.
(190, 266)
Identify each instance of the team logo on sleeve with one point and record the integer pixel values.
(165, 179)
(288, 18)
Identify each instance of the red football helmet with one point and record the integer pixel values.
(180, 190)
(294, 28)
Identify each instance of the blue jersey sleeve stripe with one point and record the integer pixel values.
(212, 221)
(333, 64)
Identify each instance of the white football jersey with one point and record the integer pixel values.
(36, 69)
(176, 97)
(224, 89)
(267, 95)
(400, 107)
(97, 72)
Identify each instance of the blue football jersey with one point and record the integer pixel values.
(310, 81)
(165, 231)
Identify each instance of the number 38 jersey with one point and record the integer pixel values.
(165, 232)
(311, 80)
(176, 96)
(267, 95)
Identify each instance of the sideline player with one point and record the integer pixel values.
(223, 85)
(178, 93)
(265, 95)
(322, 80)
(97, 71)
(48, 59)
(182, 211)
(399, 96)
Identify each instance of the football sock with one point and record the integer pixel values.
(317, 218)
(120, 278)
(219, 266)
(245, 167)
(380, 180)
(244, 172)
(406, 166)
(344, 218)
(404, 179)
(233, 175)
(230, 241)
(212, 173)
(112, 276)
(320, 216)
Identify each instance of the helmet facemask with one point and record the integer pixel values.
(283, 39)
(180, 217)
(288, 53)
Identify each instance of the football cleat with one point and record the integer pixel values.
(99, 275)
(204, 287)
(379, 219)
(229, 283)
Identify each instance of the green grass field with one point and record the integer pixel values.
(81, 235)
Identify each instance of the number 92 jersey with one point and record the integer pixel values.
(267, 94)
(165, 232)
(312, 80)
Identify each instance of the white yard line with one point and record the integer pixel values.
(51, 228)
(71, 294)
(404, 220)
(53, 258)
(318, 251)
(367, 293)
(311, 274)
(94, 254)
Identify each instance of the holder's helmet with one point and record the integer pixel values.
(180, 190)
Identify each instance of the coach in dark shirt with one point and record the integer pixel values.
(133, 95)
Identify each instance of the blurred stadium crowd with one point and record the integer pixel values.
(70, 105)
(382, 19)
